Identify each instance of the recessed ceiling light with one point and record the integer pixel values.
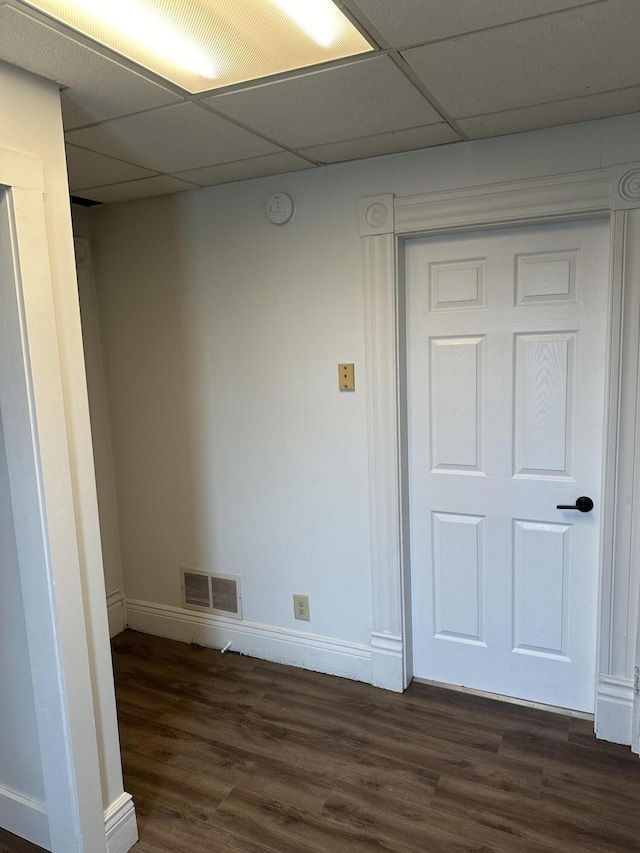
(206, 44)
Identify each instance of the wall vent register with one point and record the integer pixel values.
(212, 592)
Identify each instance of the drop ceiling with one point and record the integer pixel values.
(443, 71)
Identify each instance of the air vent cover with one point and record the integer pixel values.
(196, 590)
(211, 592)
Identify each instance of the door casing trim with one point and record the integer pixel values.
(385, 222)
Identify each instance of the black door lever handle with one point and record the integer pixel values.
(582, 504)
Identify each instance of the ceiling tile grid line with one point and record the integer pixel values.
(284, 76)
(201, 96)
(250, 129)
(369, 27)
(395, 142)
(631, 90)
(173, 138)
(85, 165)
(584, 49)
(361, 23)
(254, 167)
(413, 78)
(367, 97)
(131, 190)
(196, 102)
(397, 23)
(586, 108)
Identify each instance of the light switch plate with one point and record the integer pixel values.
(347, 377)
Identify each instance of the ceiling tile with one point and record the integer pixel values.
(88, 169)
(344, 102)
(172, 139)
(621, 140)
(384, 143)
(412, 22)
(583, 51)
(159, 185)
(98, 88)
(548, 115)
(254, 167)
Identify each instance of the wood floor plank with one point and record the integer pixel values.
(193, 794)
(298, 786)
(551, 753)
(371, 759)
(165, 831)
(10, 843)
(401, 725)
(440, 703)
(419, 827)
(181, 681)
(545, 821)
(304, 750)
(594, 793)
(379, 742)
(503, 715)
(288, 830)
(335, 725)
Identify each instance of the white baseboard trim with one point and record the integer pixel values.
(387, 663)
(116, 613)
(24, 818)
(120, 825)
(280, 645)
(614, 709)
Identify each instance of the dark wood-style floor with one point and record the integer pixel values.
(228, 754)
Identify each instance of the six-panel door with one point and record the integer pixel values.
(506, 343)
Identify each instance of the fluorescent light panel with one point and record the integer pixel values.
(206, 44)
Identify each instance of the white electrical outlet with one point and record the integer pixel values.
(301, 607)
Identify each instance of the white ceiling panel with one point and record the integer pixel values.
(255, 167)
(172, 139)
(98, 88)
(548, 115)
(88, 169)
(410, 22)
(160, 185)
(384, 143)
(582, 51)
(348, 101)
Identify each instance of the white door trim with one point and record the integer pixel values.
(384, 222)
(42, 498)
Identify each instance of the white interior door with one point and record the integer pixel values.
(506, 351)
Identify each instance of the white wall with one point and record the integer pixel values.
(30, 123)
(234, 450)
(102, 450)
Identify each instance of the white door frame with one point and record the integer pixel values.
(385, 222)
(34, 422)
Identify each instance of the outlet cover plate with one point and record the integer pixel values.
(301, 607)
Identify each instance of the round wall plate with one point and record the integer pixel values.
(280, 208)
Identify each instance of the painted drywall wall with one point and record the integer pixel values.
(234, 450)
(20, 766)
(100, 430)
(30, 123)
